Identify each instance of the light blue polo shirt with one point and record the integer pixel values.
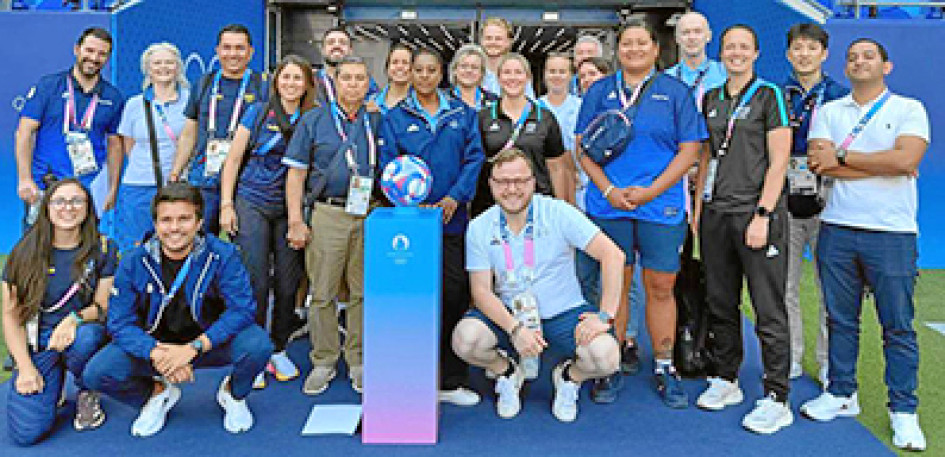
(715, 75)
(559, 229)
(140, 169)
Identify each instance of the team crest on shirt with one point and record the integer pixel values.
(248, 97)
(454, 124)
(413, 128)
(272, 128)
(713, 113)
(743, 112)
(660, 97)
(612, 95)
(530, 127)
(494, 127)
(380, 142)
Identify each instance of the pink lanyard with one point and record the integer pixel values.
(69, 117)
(529, 244)
(165, 122)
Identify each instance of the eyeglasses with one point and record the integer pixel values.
(62, 202)
(469, 66)
(517, 182)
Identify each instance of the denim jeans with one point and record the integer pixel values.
(848, 259)
(271, 263)
(31, 417)
(130, 380)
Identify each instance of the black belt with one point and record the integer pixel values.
(333, 201)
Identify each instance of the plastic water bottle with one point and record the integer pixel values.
(525, 309)
(33, 212)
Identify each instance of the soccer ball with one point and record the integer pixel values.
(406, 180)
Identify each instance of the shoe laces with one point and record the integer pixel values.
(504, 385)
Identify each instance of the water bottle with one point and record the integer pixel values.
(33, 212)
(525, 310)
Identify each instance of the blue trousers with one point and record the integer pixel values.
(271, 263)
(130, 380)
(211, 209)
(848, 259)
(31, 417)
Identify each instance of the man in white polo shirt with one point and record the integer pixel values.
(871, 143)
(525, 246)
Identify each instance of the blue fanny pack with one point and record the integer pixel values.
(608, 135)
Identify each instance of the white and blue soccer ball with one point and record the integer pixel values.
(406, 180)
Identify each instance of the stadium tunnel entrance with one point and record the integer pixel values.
(540, 27)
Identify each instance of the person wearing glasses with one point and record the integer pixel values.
(467, 70)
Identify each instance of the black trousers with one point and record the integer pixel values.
(454, 372)
(728, 262)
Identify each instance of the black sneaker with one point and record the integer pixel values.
(629, 360)
(604, 390)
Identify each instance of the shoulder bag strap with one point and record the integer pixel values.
(152, 136)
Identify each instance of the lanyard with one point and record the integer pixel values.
(517, 130)
(276, 137)
(349, 154)
(810, 105)
(329, 86)
(697, 86)
(459, 95)
(160, 109)
(237, 105)
(73, 289)
(69, 117)
(730, 125)
(636, 92)
(858, 128)
(178, 282)
(529, 244)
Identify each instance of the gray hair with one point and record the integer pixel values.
(146, 60)
(591, 39)
(467, 50)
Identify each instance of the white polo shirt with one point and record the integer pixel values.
(881, 203)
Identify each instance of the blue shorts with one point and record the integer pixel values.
(659, 244)
(558, 331)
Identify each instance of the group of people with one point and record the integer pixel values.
(287, 166)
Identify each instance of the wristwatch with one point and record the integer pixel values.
(197, 344)
(605, 317)
(761, 211)
(842, 156)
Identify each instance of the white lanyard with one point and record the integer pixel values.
(349, 154)
(237, 105)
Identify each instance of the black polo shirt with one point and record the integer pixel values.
(741, 172)
(540, 139)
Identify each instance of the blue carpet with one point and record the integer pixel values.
(637, 424)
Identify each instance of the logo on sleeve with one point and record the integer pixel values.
(612, 95)
(413, 128)
(494, 126)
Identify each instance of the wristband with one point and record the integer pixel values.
(607, 192)
(197, 344)
(100, 316)
(518, 326)
(78, 319)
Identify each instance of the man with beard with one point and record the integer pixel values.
(500, 249)
(336, 46)
(69, 126)
(696, 69)
(213, 113)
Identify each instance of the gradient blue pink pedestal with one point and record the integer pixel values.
(402, 280)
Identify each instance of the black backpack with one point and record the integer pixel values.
(692, 355)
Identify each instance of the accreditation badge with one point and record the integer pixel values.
(217, 149)
(711, 172)
(800, 179)
(81, 154)
(359, 195)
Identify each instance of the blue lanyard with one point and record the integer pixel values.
(329, 86)
(810, 103)
(237, 104)
(517, 130)
(275, 138)
(178, 281)
(730, 126)
(858, 128)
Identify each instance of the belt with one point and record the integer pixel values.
(333, 201)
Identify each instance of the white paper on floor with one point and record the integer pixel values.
(332, 419)
(937, 326)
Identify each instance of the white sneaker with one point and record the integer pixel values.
(459, 396)
(236, 414)
(719, 394)
(507, 388)
(564, 407)
(284, 369)
(906, 431)
(260, 381)
(153, 414)
(797, 370)
(828, 407)
(768, 416)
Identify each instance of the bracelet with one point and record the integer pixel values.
(78, 319)
(518, 326)
(607, 192)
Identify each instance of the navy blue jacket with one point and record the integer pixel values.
(451, 147)
(798, 99)
(216, 288)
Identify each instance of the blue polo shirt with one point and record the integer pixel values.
(262, 180)
(140, 168)
(450, 144)
(316, 144)
(198, 109)
(666, 117)
(46, 102)
(802, 102)
(714, 71)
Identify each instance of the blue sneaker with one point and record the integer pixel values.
(670, 388)
(604, 390)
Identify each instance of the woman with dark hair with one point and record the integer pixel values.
(742, 226)
(55, 293)
(398, 63)
(590, 70)
(253, 204)
(443, 132)
(638, 198)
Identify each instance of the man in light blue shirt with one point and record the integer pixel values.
(500, 250)
(695, 68)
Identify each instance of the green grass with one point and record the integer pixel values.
(872, 394)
